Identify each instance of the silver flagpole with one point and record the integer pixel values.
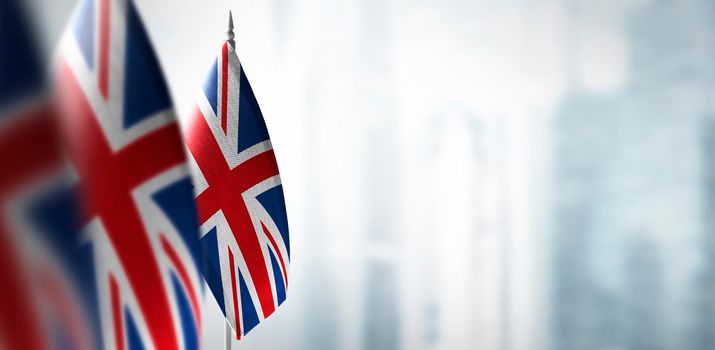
(228, 333)
(229, 34)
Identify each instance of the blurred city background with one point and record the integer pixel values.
(474, 174)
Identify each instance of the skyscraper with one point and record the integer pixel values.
(629, 193)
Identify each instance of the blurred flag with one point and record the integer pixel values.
(239, 197)
(138, 216)
(40, 302)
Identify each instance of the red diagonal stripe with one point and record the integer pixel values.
(278, 252)
(184, 276)
(116, 313)
(205, 150)
(243, 231)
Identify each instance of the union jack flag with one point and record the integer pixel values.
(138, 216)
(239, 197)
(40, 304)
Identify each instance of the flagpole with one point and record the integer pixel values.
(229, 34)
(227, 331)
(227, 335)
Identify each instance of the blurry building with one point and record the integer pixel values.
(705, 303)
(584, 311)
(644, 311)
(629, 223)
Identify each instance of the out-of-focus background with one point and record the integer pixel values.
(474, 174)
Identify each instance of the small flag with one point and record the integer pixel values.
(41, 305)
(138, 216)
(239, 196)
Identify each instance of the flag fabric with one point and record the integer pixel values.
(138, 218)
(21, 120)
(40, 303)
(239, 197)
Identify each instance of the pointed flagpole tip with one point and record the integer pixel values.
(230, 34)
